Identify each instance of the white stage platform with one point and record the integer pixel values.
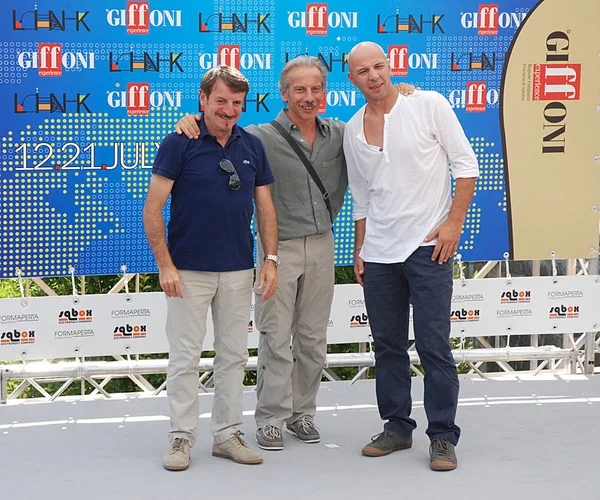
(523, 438)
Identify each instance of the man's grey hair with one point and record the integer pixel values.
(301, 61)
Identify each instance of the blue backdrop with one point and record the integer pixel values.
(87, 93)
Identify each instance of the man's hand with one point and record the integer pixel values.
(404, 88)
(359, 267)
(170, 281)
(448, 236)
(188, 125)
(267, 279)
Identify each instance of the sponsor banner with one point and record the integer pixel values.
(135, 324)
(550, 130)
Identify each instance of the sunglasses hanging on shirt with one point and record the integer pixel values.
(234, 179)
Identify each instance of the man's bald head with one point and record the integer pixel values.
(364, 47)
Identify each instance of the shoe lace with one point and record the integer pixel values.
(237, 439)
(442, 448)
(178, 444)
(307, 424)
(271, 432)
(382, 437)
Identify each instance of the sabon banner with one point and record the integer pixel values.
(88, 90)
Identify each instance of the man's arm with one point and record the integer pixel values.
(267, 227)
(465, 170)
(448, 233)
(188, 125)
(154, 224)
(359, 238)
(360, 201)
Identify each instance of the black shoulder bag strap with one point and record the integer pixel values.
(307, 164)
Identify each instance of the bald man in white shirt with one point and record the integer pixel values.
(408, 227)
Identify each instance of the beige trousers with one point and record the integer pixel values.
(293, 326)
(229, 295)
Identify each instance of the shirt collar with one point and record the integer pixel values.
(283, 118)
(235, 131)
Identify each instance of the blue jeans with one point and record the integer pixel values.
(389, 288)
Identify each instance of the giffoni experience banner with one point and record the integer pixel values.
(89, 89)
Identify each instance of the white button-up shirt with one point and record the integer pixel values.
(404, 189)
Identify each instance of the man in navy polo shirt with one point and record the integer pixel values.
(208, 260)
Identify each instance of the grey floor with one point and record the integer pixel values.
(522, 439)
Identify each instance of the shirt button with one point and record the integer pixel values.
(315, 202)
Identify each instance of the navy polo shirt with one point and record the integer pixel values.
(209, 225)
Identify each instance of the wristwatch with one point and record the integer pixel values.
(274, 258)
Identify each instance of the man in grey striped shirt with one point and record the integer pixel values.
(298, 313)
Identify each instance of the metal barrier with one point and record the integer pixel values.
(128, 324)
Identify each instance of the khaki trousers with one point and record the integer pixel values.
(293, 326)
(229, 294)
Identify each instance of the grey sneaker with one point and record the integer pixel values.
(269, 437)
(385, 443)
(442, 455)
(178, 455)
(304, 429)
(236, 449)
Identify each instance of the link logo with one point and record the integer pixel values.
(16, 337)
(515, 297)
(146, 62)
(258, 101)
(359, 320)
(75, 316)
(411, 24)
(53, 20)
(462, 315)
(564, 312)
(469, 61)
(236, 23)
(139, 100)
(231, 55)
(130, 332)
(138, 18)
(49, 59)
(53, 103)
(317, 19)
(488, 19)
(330, 60)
